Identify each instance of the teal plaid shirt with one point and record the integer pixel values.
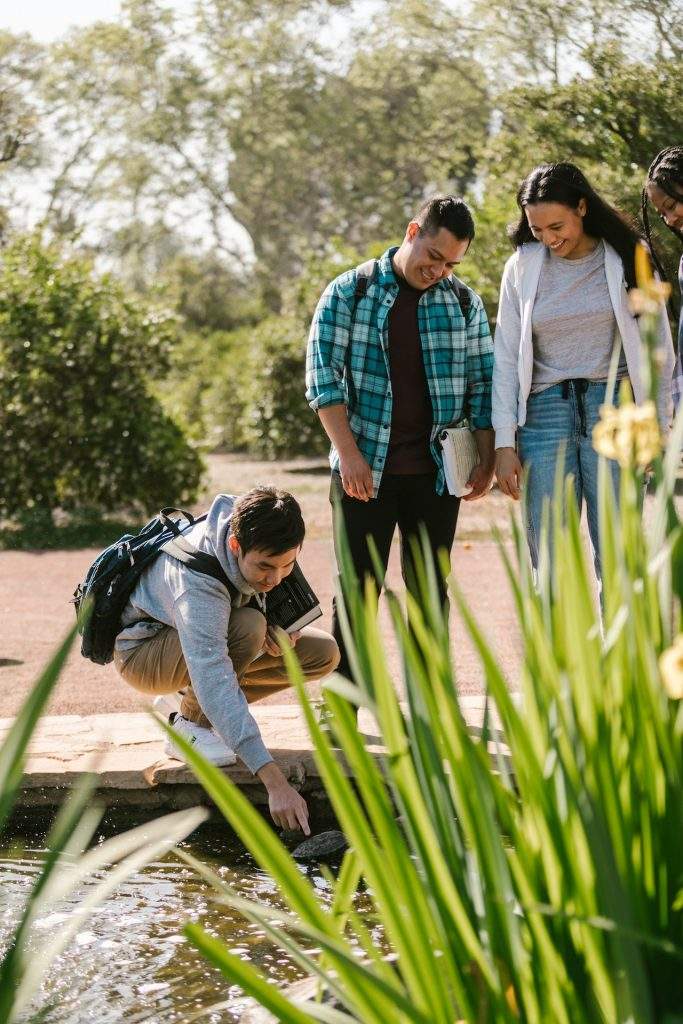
(458, 361)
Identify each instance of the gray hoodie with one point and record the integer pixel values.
(198, 607)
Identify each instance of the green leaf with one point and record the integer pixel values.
(14, 747)
(244, 975)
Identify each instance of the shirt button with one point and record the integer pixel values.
(385, 426)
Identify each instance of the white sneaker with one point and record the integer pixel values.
(206, 741)
(166, 703)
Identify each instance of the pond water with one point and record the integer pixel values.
(130, 961)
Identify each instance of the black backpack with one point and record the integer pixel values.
(365, 275)
(111, 578)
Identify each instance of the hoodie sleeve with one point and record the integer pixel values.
(507, 340)
(202, 615)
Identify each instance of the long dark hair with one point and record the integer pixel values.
(564, 183)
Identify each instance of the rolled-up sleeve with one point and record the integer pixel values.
(479, 367)
(328, 341)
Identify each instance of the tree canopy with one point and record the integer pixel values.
(221, 158)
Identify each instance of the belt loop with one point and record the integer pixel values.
(565, 389)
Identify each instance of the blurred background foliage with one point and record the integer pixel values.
(81, 428)
(225, 164)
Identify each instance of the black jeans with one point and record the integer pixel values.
(403, 501)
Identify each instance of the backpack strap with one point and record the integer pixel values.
(365, 275)
(181, 548)
(172, 524)
(462, 294)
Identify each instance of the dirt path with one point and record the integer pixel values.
(35, 588)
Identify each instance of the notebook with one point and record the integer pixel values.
(292, 604)
(460, 456)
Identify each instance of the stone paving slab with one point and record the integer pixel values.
(126, 752)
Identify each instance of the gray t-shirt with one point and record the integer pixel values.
(573, 324)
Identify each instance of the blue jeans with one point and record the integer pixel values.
(559, 424)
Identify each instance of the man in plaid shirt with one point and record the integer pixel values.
(392, 362)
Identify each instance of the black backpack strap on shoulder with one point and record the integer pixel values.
(365, 275)
(180, 548)
(172, 524)
(462, 294)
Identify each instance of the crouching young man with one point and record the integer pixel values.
(186, 631)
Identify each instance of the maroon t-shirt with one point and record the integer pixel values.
(411, 416)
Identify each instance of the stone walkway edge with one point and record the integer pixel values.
(126, 752)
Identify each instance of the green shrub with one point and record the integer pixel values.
(78, 424)
(278, 420)
(301, 294)
(244, 390)
(485, 259)
(208, 386)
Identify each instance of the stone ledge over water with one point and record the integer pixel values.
(126, 752)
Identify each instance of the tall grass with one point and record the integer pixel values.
(532, 873)
(71, 873)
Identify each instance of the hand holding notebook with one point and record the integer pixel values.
(292, 604)
(460, 456)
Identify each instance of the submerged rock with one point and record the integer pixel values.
(319, 847)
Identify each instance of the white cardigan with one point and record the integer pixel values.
(513, 354)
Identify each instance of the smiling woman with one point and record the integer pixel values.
(564, 321)
(560, 228)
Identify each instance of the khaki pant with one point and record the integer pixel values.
(158, 666)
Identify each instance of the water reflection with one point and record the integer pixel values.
(129, 962)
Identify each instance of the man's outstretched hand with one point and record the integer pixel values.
(288, 808)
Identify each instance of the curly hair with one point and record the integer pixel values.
(666, 172)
